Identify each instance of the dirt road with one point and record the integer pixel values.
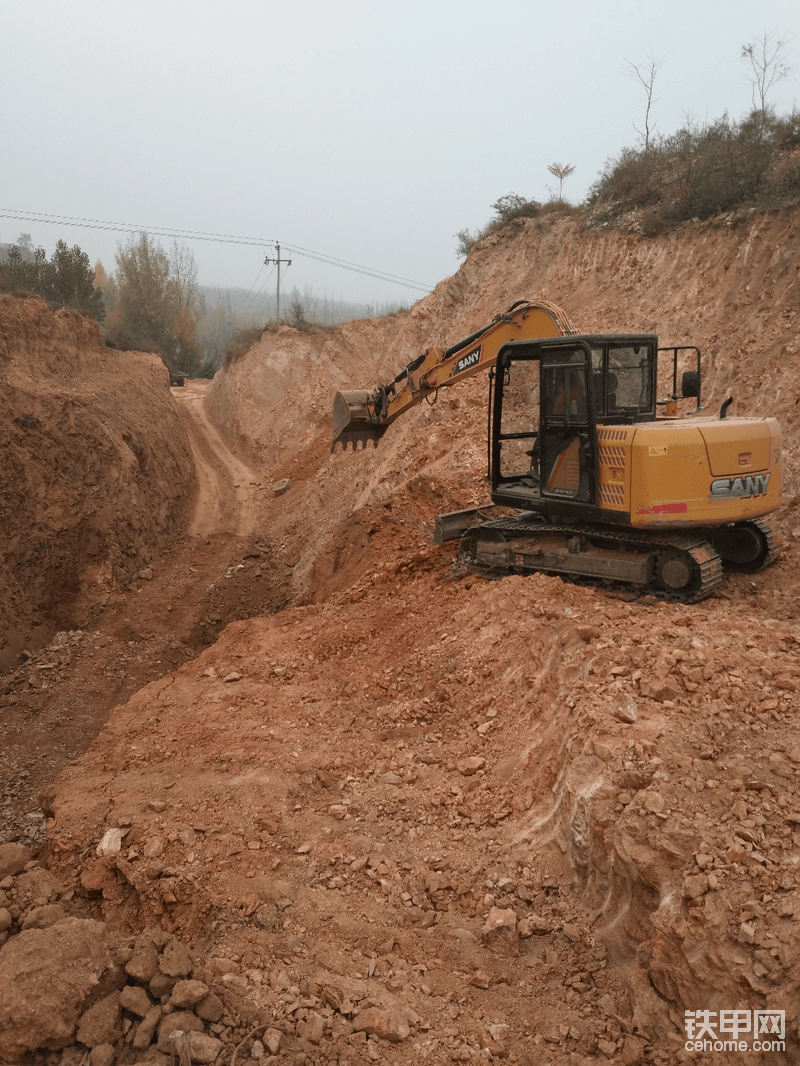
(229, 496)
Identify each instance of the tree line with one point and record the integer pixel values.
(66, 278)
(152, 301)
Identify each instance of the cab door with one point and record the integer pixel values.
(567, 430)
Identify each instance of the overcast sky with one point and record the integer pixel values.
(369, 131)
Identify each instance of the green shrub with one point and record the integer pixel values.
(506, 209)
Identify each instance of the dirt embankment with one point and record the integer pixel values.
(411, 818)
(95, 474)
(126, 525)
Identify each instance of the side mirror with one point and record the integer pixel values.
(690, 383)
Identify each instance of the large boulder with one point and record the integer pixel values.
(48, 979)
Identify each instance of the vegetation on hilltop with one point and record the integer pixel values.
(64, 280)
(702, 170)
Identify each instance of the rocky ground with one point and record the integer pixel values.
(391, 813)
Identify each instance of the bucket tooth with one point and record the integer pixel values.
(351, 420)
(358, 434)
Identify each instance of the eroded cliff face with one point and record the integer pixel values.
(729, 286)
(96, 468)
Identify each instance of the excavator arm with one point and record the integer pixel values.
(364, 414)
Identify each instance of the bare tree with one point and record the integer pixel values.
(645, 73)
(765, 57)
(560, 172)
(184, 273)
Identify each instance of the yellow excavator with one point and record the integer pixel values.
(614, 487)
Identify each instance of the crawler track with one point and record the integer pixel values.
(682, 568)
(762, 544)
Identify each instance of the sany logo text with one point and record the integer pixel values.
(752, 485)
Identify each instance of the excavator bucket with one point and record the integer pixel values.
(351, 422)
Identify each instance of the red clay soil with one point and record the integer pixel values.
(391, 816)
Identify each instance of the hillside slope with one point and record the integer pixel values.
(732, 287)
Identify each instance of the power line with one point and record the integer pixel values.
(200, 235)
(247, 302)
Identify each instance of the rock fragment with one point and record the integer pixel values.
(654, 802)
(471, 765)
(633, 1051)
(272, 1040)
(102, 1055)
(500, 932)
(46, 978)
(624, 709)
(100, 1023)
(142, 966)
(146, 1028)
(175, 960)
(183, 1020)
(661, 691)
(188, 993)
(134, 999)
(389, 1025)
(42, 917)
(13, 858)
(202, 1047)
(210, 1009)
(313, 1028)
(110, 842)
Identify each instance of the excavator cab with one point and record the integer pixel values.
(567, 434)
(549, 398)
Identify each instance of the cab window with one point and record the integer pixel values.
(629, 385)
(565, 392)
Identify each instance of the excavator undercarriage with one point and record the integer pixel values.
(680, 567)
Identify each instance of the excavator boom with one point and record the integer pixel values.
(363, 415)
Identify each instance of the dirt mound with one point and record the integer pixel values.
(492, 808)
(96, 470)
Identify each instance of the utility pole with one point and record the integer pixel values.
(278, 262)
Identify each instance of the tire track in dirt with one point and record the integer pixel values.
(226, 497)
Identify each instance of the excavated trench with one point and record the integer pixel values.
(521, 815)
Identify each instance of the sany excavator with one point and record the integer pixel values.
(614, 487)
